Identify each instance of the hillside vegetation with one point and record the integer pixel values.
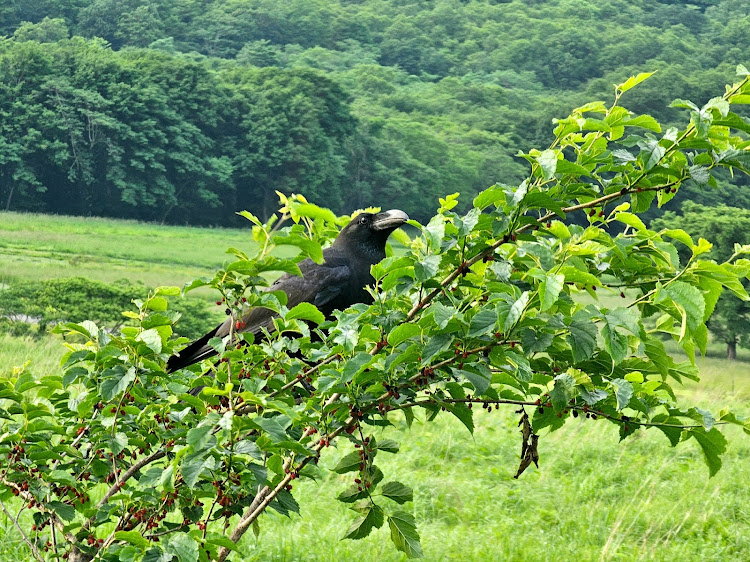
(188, 111)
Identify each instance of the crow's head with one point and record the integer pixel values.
(367, 233)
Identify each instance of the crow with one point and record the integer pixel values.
(339, 282)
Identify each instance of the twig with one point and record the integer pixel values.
(125, 477)
(26, 539)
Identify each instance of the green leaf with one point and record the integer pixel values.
(443, 314)
(426, 268)
(404, 534)
(348, 463)
(434, 232)
(634, 81)
(483, 322)
(562, 392)
(306, 311)
(516, 311)
(273, 428)
(387, 446)
(373, 519)
(623, 392)
(489, 196)
(398, 492)
(132, 537)
(193, 465)
(63, 510)
(713, 443)
(645, 122)
(199, 437)
(402, 333)
(549, 290)
(435, 345)
(221, 540)
(684, 104)
(582, 338)
(479, 381)
(689, 299)
(117, 383)
(547, 161)
(352, 494)
(184, 547)
(152, 339)
(157, 303)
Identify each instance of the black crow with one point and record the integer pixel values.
(336, 284)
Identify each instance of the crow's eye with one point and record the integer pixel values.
(363, 220)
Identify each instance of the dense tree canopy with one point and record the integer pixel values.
(169, 117)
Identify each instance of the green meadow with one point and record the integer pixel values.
(592, 498)
(48, 246)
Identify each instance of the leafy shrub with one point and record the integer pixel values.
(77, 299)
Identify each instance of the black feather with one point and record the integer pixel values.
(339, 282)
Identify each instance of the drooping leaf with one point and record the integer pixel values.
(373, 519)
(404, 534)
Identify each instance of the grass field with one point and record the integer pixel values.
(48, 246)
(592, 498)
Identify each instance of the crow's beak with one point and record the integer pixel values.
(389, 220)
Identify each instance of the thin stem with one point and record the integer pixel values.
(26, 539)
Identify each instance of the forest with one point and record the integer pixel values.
(187, 111)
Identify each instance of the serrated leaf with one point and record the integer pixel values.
(132, 537)
(152, 339)
(198, 437)
(483, 322)
(489, 197)
(184, 547)
(562, 391)
(645, 122)
(273, 428)
(373, 519)
(387, 446)
(402, 333)
(634, 81)
(623, 392)
(713, 444)
(63, 510)
(549, 290)
(193, 465)
(348, 463)
(479, 381)
(689, 299)
(547, 161)
(117, 382)
(398, 492)
(306, 311)
(404, 534)
(516, 311)
(426, 268)
(443, 314)
(434, 232)
(582, 339)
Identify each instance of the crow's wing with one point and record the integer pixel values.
(320, 284)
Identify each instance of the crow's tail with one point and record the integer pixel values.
(196, 351)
